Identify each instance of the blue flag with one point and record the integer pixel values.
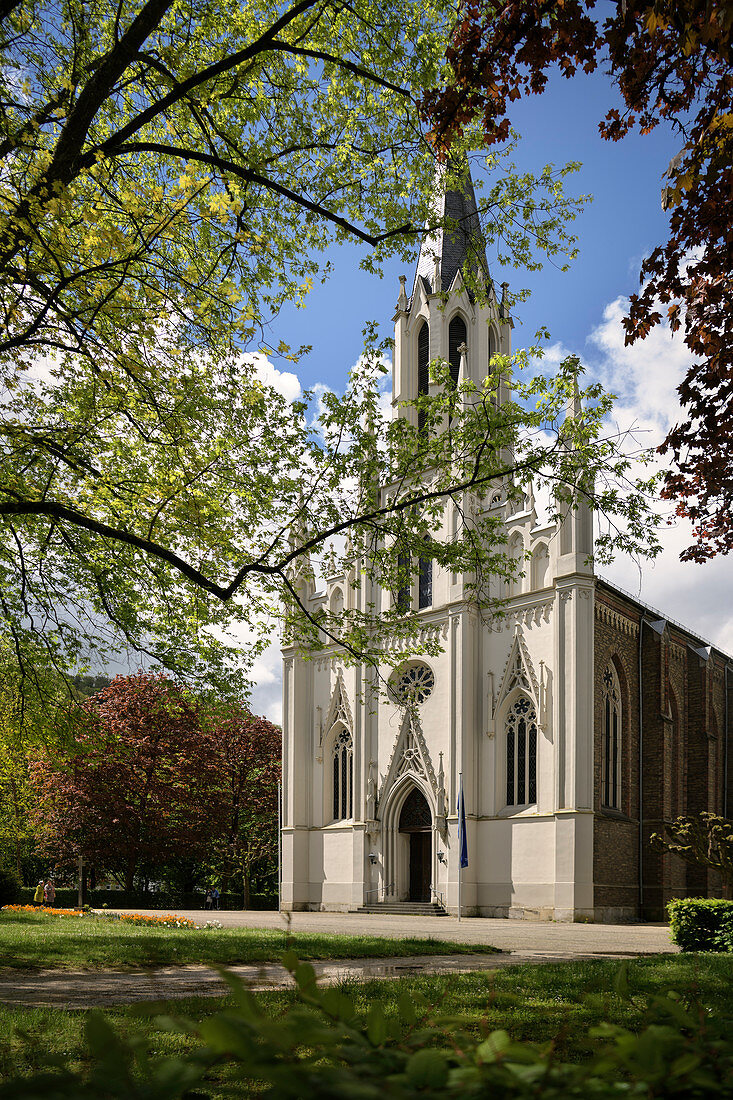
(462, 837)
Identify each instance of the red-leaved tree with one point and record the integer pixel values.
(138, 786)
(671, 61)
(249, 753)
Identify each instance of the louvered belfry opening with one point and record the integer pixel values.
(456, 337)
(423, 373)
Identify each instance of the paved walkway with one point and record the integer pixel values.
(508, 935)
(521, 942)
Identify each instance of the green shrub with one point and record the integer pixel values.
(322, 1048)
(701, 924)
(121, 899)
(10, 888)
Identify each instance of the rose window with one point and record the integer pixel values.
(413, 683)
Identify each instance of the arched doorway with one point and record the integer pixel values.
(416, 822)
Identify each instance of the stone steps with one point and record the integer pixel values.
(406, 908)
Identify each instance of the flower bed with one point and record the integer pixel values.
(169, 920)
(43, 909)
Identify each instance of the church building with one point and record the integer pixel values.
(580, 721)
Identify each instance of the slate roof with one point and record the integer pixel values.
(460, 246)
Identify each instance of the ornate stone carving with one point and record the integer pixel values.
(528, 616)
(616, 619)
(409, 756)
(518, 671)
(338, 709)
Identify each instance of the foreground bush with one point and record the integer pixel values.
(320, 1048)
(701, 924)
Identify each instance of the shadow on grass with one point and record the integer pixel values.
(97, 943)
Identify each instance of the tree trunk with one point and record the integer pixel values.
(245, 885)
(130, 874)
(16, 815)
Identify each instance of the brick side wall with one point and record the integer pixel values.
(616, 833)
(683, 763)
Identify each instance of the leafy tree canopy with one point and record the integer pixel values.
(139, 776)
(172, 173)
(249, 752)
(671, 61)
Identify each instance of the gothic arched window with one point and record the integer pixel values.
(611, 739)
(343, 775)
(425, 583)
(521, 753)
(403, 593)
(456, 337)
(423, 373)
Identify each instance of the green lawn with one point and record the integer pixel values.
(37, 940)
(532, 1002)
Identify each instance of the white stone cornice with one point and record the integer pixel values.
(526, 614)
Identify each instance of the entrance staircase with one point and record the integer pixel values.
(404, 908)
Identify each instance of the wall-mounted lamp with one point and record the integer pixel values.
(373, 857)
(441, 857)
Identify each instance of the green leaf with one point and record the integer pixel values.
(376, 1024)
(427, 1069)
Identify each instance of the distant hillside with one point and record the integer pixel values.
(90, 685)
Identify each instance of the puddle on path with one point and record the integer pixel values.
(88, 989)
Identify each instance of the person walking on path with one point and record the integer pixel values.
(49, 892)
(215, 895)
(38, 897)
(209, 901)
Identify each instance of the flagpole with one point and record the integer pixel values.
(460, 861)
(279, 847)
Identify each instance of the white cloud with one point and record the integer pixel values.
(267, 684)
(283, 382)
(645, 377)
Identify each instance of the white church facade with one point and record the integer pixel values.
(579, 721)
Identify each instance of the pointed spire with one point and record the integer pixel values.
(575, 404)
(446, 251)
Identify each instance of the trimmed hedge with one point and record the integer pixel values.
(120, 899)
(701, 924)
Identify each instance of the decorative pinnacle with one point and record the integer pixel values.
(402, 297)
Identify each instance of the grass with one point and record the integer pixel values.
(532, 1002)
(37, 940)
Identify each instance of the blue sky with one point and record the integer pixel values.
(582, 308)
(624, 221)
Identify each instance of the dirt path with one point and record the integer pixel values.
(89, 989)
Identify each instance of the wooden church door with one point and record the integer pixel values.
(416, 820)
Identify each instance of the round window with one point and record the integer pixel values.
(412, 683)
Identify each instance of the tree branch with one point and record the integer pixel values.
(249, 176)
